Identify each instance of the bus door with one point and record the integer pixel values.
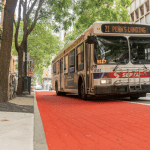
(65, 71)
(61, 73)
(88, 62)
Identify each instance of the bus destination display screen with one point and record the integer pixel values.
(125, 28)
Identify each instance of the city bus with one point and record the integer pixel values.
(109, 58)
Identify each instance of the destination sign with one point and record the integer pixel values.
(126, 28)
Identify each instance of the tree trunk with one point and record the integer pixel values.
(5, 51)
(20, 77)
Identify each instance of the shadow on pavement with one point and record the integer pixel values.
(26, 96)
(94, 98)
(9, 107)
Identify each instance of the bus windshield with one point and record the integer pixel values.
(140, 50)
(111, 50)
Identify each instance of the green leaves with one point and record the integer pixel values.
(41, 45)
(89, 11)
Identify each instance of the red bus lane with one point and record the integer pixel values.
(73, 124)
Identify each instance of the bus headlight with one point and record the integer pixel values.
(105, 81)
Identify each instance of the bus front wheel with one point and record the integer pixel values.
(134, 97)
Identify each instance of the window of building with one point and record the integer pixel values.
(142, 20)
(132, 16)
(142, 10)
(141, 1)
(80, 57)
(136, 3)
(61, 65)
(147, 6)
(66, 64)
(132, 6)
(54, 68)
(137, 21)
(147, 18)
(72, 61)
(137, 13)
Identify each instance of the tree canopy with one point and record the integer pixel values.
(89, 11)
(41, 45)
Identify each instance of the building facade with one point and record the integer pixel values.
(47, 78)
(12, 65)
(140, 11)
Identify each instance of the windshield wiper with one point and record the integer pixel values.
(143, 65)
(116, 66)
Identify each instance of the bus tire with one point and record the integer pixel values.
(63, 94)
(56, 88)
(82, 94)
(134, 97)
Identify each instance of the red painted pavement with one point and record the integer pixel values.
(74, 124)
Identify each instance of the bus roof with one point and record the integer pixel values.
(95, 29)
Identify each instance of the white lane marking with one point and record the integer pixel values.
(135, 102)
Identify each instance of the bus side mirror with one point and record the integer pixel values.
(91, 39)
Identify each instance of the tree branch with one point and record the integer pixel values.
(29, 4)
(22, 2)
(25, 22)
(36, 17)
(31, 8)
(17, 26)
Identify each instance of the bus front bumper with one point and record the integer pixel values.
(123, 89)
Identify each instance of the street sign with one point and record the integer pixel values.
(31, 74)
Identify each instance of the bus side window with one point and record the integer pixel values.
(54, 68)
(57, 67)
(61, 65)
(80, 57)
(66, 64)
(72, 61)
(87, 47)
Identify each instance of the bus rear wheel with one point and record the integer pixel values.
(56, 88)
(63, 94)
(82, 94)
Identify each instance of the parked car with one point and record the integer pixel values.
(50, 86)
(38, 87)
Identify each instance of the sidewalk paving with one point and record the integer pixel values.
(20, 125)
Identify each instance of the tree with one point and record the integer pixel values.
(42, 44)
(34, 11)
(28, 26)
(89, 11)
(5, 51)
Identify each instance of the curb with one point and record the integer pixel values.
(39, 141)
